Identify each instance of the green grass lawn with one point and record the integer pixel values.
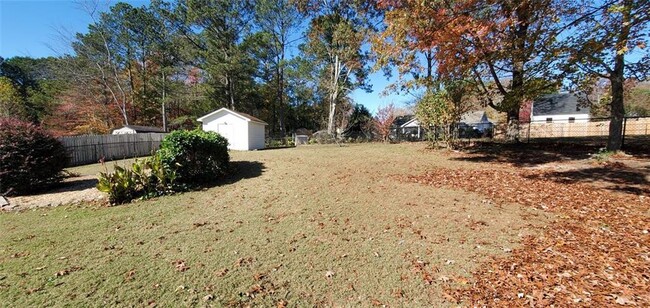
(313, 225)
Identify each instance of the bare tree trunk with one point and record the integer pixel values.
(334, 95)
(281, 114)
(164, 113)
(615, 140)
(617, 80)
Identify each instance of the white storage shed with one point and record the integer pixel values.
(136, 129)
(243, 131)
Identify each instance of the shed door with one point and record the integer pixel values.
(225, 130)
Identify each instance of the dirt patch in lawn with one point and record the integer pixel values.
(78, 188)
(72, 190)
(595, 253)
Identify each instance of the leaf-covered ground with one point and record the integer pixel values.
(596, 252)
(349, 226)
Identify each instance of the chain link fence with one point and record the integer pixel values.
(594, 130)
(466, 131)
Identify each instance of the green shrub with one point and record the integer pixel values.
(120, 185)
(30, 158)
(285, 142)
(185, 158)
(196, 156)
(146, 178)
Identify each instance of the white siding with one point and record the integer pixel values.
(255, 136)
(562, 118)
(233, 127)
(123, 130)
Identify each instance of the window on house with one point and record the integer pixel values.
(549, 120)
(572, 120)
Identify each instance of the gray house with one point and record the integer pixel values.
(559, 108)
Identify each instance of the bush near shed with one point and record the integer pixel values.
(185, 159)
(196, 156)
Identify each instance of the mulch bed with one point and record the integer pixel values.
(596, 253)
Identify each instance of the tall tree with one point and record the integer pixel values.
(213, 32)
(609, 41)
(37, 84)
(125, 53)
(509, 47)
(280, 20)
(10, 100)
(335, 40)
(360, 124)
(396, 47)
(384, 121)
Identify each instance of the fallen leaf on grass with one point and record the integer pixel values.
(130, 275)
(222, 272)
(244, 261)
(281, 304)
(199, 224)
(67, 271)
(34, 290)
(180, 265)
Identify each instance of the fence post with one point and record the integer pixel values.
(623, 132)
(530, 123)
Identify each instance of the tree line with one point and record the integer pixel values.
(294, 63)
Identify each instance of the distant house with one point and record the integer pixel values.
(559, 108)
(477, 120)
(243, 131)
(136, 129)
(407, 127)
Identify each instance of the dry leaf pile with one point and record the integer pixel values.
(596, 253)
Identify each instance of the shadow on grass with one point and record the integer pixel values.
(612, 177)
(75, 185)
(625, 180)
(240, 170)
(276, 148)
(67, 185)
(526, 154)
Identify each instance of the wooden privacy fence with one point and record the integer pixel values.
(89, 149)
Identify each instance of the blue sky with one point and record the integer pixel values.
(32, 28)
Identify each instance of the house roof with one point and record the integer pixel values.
(413, 122)
(478, 116)
(401, 120)
(558, 104)
(144, 129)
(246, 116)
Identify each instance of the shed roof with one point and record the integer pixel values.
(558, 104)
(474, 117)
(401, 120)
(246, 116)
(144, 129)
